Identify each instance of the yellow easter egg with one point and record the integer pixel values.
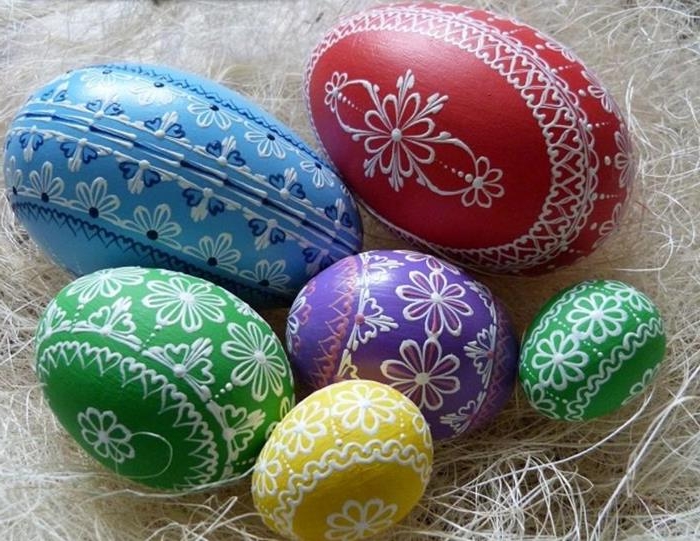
(349, 461)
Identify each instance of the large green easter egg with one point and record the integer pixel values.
(591, 349)
(165, 378)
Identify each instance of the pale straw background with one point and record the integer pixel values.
(631, 475)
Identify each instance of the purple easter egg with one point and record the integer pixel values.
(414, 322)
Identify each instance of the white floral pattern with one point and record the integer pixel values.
(320, 176)
(268, 274)
(105, 283)
(559, 360)
(537, 396)
(433, 263)
(13, 176)
(460, 420)
(189, 362)
(258, 360)
(400, 138)
(483, 186)
(180, 302)
(53, 320)
(484, 347)
(433, 299)
(267, 143)
(207, 114)
(303, 427)
(371, 320)
(597, 317)
(596, 90)
(217, 253)
(156, 225)
(105, 435)
(358, 520)
(45, 185)
(423, 374)
(643, 383)
(625, 293)
(239, 428)
(150, 93)
(624, 158)
(266, 470)
(95, 201)
(363, 407)
(114, 321)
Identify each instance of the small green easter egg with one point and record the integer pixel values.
(165, 378)
(590, 350)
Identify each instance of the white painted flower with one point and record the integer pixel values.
(301, 429)
(266, 473)
(268, 143)
(433, 263)
(375, 266)
(537, 396)
(44, 185)
(105, 78)
(334, 90)
(207, 113)
(13, 175)
(189, 362)
(94, 199)
(185, 303)
(239, 428)
(608, 227)
(484, 347)
(639, 386)
(358, 520)
(596, 90)
(423, 374)
(30, 142)
(107, 437)
(156, 225)
(370, 321)
(105, 283)
(53, 320)
(113, 321)
(217, 253)
(153, 93)
(268, 274)
(298, 316)
(363, 407)
(625, 293)
(483, 186)
(399, 134)
(433, 299)
(460, 420)
(259, 361)
(597, 317)
(320, 175)
(559, 360)
(624, 158)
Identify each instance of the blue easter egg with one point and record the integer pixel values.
(129, 164)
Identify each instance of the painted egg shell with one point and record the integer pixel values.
(165, 378)
(346, 463)
(411, 321)
(128, 164)
(472, 135)
(591, 349)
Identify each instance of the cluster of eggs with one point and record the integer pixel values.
(184, 208)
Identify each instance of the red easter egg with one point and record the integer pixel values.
(471, 134)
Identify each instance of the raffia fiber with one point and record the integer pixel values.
(634, 475)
